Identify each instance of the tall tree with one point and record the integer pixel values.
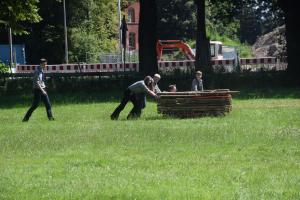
(270, 15)
(147, 37)
(13, 16)
(249, 25)
(271, 9)
(176, 19)
(202, 61)
(93, 29)
(291, 16)
(15, 13)
(254, 17)
(46, 39)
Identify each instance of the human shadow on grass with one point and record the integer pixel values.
(168, 117)
(165, 117)
(150, 118)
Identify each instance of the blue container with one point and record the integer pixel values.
(18, 53)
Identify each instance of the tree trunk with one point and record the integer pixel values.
(203, 60)
(147, 37)
(292, 36)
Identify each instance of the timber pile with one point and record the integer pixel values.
(195, 104)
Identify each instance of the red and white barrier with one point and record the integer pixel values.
(134, 67)
(223, 62)
(73, 68)
(62, 68)
(175, 64)
(191, 63)
(258, 61)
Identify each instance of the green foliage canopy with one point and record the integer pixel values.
(93, 29)
(15, 13)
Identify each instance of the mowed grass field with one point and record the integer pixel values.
(252, 153)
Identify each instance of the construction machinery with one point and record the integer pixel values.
(215, 49)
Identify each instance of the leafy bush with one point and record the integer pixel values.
(3, 68)
(88, 45)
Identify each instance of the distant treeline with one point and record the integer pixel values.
(93, 26)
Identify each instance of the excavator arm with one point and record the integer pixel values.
(174, 44)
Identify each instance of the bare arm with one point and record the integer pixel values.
(151, 93)
(43, 91)
(156, 89)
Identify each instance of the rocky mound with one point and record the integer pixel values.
(271, 44)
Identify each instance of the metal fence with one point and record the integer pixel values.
(130, 56)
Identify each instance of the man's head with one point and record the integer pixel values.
(156, 78)
(149, 82)
(198, 75)
(43, 62)
(172, 88)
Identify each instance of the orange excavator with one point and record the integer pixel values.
(216, 49)
(174, 44)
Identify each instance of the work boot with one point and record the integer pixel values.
(49, 115)
(25, 119)
(114, 117)
(132, 116)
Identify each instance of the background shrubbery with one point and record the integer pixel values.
(233, 81)
(3, 68)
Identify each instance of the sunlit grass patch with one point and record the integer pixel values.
(251, 153)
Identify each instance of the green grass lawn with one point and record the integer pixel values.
(252, 153)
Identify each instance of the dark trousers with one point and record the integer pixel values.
(37, 97)
(137, 106)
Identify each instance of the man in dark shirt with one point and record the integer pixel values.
(39, 92)
(141, 97)
(133, 93)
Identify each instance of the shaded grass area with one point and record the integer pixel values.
(268, 92)
(252, 153)
(24, 98)
(77, 97)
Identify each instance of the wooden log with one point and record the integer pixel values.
(197, 93)
(195, 104)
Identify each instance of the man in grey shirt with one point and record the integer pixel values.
(197, 84)
(134, 93)
(141, 97)
(39, 92)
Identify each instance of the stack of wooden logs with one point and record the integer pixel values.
(195, 104)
